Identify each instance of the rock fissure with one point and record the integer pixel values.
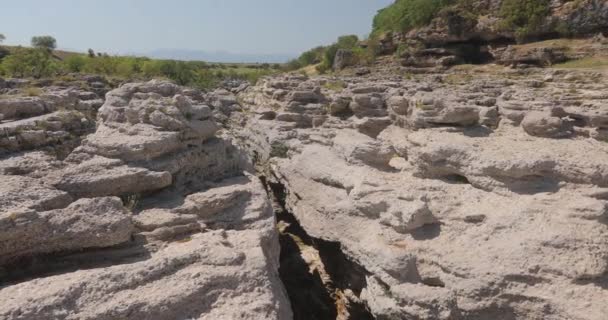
(321, 281)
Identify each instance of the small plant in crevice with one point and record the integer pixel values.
(131, 201)
(278, 150)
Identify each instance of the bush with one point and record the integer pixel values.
(39, 62)
(75, 63)
(523, 16)
(404, 15)
(34, 63)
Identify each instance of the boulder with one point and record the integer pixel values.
(344, 58)
(546, 126)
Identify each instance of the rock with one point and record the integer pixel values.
(132, 143)
(339, 105)
(372, 126)
(86, 223)
(22, 107)
(98, 176)
(544, 56)
(368, 105)
(410, 216)
(299, 119)
(195, 211)
(427, 111)
(305, 97)
(398, 104)
(360, 148)
(28, 193)
(344, 58)
(544, 125)
(173, 283)
(436, 196)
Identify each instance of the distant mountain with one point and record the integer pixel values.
(217, 56)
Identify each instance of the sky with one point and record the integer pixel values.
(140, 26)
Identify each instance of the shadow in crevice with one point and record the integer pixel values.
(314, 295)
(307, 294)
(427, 232)
(46, 265)
(601, 282)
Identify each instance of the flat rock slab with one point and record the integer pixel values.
(216, 275)
(86, 223)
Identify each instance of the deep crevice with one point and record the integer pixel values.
(50, 264)
(321, 281)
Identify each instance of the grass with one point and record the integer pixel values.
(585, 63)
(337, 86)
(32, 92)
(310, 70)
(458, 78)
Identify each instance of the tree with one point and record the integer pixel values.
(45, 42)
(35, 63)
(91, 53)
(2, 38)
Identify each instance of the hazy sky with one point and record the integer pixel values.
(239, 26)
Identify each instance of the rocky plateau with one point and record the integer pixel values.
(468, 193)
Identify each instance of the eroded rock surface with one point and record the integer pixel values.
(151, 215)
(476, 193)
(457, 196)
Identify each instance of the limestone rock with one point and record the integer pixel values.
(86, 223)
(98, 176)
(213, 275)
(544, 125)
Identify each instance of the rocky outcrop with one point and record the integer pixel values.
(153, 208)
(488, 30)
(482, 20)
(453, 196)
(476, 193)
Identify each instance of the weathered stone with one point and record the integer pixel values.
(86, 223)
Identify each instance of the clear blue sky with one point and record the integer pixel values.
(239, 26)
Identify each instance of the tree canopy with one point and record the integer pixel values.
(45, 42)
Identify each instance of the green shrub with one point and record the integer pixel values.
(523, 16)
(34, 63)
(39, 62)
(75, 63)
(404, 15)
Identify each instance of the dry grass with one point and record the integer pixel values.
(600, 62)
(555, 43)
(337, 86)
(310, 70)
(32, 91)
(458, 78)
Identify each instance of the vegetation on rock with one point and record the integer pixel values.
(523, 16)
(404, 15)
(42, 62)
(324, 56)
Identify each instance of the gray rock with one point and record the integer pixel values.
(86, 223)
(544, 125)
